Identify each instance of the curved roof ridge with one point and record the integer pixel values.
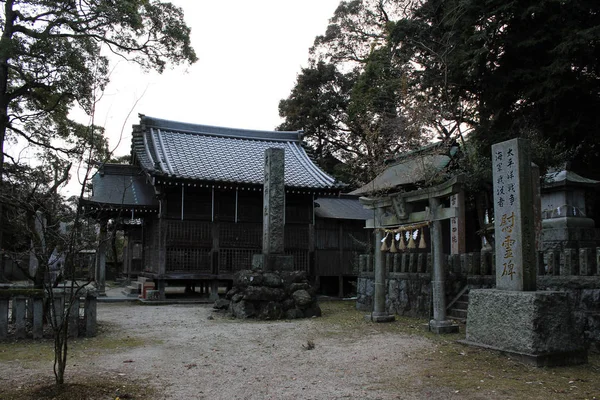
(198, 129)
(319, 175)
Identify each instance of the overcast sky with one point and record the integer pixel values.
(249, 52)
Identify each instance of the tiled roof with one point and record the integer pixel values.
(341, 208)
(208, 153)
(567, 178)
(410, 168)
(122, 185)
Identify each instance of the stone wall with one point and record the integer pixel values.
(271, 295)
(576, 272)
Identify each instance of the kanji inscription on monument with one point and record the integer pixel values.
(513, 212)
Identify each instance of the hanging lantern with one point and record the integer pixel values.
(411, 241)
(422, 244)
(384, 246)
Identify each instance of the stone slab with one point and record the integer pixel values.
(539, 360)
(539, 325)
(274, 201)
(514, 224)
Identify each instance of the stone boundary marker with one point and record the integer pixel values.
(534, 326)
(514, 219)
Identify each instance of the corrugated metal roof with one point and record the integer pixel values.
(208, 153)
(341, 208)
(122, 185)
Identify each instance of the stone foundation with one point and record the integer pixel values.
(537, 327)
(271, 295)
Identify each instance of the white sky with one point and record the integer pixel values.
(249, 55)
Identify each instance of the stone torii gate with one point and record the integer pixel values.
(397, 210)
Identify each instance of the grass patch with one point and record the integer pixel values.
(27, 351)
(81, 388)
(469, 372)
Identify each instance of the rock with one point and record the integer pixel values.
(294, 313)
(290, 277)
(288, 304)
(243, 309)
(221, 304)
(270, 311)
(313, 311)
(299, 286)
(302, 298)
(247, 277)
(263, 293)
(272, 280)
(236, 298)
(272, 295)
(232, 292)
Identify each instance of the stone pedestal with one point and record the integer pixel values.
(272, 262)
(536, 327)
(441, 327)
(380, 317)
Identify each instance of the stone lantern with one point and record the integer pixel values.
(564, 220)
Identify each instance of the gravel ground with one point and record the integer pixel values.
(196, 354)
(192, 352)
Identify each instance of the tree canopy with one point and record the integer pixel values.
(54, 58)
(492, 68)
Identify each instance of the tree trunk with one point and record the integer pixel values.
(9, 18)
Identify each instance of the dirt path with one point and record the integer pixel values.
(192, 354)
(189, 352)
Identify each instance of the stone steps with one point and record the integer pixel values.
(459, 309)
(131, 291)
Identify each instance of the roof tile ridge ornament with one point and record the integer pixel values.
(158, 160)
(219, 131)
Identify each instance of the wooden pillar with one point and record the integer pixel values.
(162, 255)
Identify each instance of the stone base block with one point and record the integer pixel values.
(537, 327)
(441, 327)
(380, 317)
(272, 262)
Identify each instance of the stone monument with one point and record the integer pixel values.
(273, 257)
(535, 326)
(272, 290)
